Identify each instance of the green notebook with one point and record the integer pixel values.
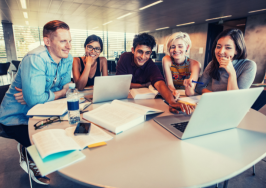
(55, 161)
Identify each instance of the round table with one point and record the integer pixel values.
(150, 156)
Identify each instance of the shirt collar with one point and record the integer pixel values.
(133, 64)
(49, 55)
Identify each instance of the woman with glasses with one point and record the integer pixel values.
(87, 67)
(180, 70)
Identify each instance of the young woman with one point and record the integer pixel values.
(179, 70)
(229, 68)
(87, 67)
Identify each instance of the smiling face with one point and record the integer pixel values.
(225, 49)
(58, 44)
(142, 54)
(178, 49)
(93, 49)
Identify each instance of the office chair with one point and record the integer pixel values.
(3, 69)
(3, 90)
(16, 63)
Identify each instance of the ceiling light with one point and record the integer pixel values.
(23, 4)
(240, 24)
(107, 23)
(95, 27)
(218, 18)
(124, 16)
(256, 10)
(27, 22)
(155, 3)
(186, 23)
(25, 14)
(162, 28)
(144, 31)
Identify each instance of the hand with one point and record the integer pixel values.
(188, 83)
(176, 94)
(227, 64)
(176, 107)
(146, 84)
(90, 60)
(19, 96)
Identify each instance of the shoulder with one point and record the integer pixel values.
(167, 60)
(194, 63)
(125, 58)
(103, 60)
(250, 63)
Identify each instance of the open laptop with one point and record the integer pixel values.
(216, 111)
(107, 88)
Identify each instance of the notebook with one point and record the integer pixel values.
(107, 88)
(216, 111)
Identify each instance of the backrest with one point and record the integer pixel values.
(16, 63)
(3, 68)
(3, 90)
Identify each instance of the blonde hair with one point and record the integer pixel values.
(178, 35)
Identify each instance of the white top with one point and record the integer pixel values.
(149, 156)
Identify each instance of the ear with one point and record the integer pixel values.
(47, 41)
(187, 47)
(132, 50)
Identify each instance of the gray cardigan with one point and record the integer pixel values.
(245, 73)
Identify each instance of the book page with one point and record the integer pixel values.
(136, 107)
(142, 93)
(190, 100)
(53, 141)
(152, 89)
(113, 115)
(48, 109)
(95, 135)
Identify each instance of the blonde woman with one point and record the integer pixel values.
(179, 69)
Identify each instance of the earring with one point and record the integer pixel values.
(186, 50)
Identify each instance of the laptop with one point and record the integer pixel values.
(107, 88)
(216, 111)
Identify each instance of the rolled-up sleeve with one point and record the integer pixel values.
(34, 81)
(205, 79)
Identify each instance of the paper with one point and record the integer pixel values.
(190, 100)
(160, 49)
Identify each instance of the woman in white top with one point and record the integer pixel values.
(180, 70)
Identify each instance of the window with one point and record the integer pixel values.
(129, 41)
(115, 43)
(78, 39)
(3, 57)
(26, 39)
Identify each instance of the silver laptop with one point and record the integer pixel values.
(107, 88)
(216, 111)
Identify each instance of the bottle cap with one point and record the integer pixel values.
(72, 86)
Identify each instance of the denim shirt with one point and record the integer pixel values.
(36, 75)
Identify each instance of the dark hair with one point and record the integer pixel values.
(52, 26)
(144, 39)
(238, 38)
(93, 38)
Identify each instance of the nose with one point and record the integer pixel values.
(68, 45)
(142, 56)
(222, 50)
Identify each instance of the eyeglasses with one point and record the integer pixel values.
(41, 124)
(96, 49)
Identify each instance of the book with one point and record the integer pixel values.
(119, 116)
(54, 162)
(59, 140)
(144, 93)
(190, 100)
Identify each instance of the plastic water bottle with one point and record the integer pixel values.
(73, 104)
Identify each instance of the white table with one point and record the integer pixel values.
(150, 156)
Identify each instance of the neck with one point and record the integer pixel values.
(56, 59)
(180, 61)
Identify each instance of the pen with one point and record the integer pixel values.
(196, 82)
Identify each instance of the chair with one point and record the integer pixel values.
(3, 90)
(16, 63)
(3, 69)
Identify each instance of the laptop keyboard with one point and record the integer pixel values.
(180, 126)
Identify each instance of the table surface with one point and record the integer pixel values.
(149, 156)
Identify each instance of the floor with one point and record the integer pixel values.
(12, 176)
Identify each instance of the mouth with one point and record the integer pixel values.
(66, 51)
(91, 55)
(141, 61)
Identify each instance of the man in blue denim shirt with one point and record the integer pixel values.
(43, 75)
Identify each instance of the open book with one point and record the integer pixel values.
(119, 116)
(58, 140)
(144, 93)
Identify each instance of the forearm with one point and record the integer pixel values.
(83, 79)
(164, 91)
(232, 82)
(135, 85)
(190, 90)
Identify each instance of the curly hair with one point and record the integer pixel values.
(144, 39)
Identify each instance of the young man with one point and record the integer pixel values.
(43, 75)
(145, 72)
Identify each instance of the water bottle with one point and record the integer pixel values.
(73, 104)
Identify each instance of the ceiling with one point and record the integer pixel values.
(89, 14)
